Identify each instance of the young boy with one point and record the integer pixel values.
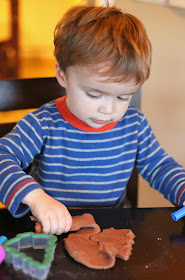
(85, 145)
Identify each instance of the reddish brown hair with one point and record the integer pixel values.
(92, 36)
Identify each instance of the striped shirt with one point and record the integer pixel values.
(82, 166)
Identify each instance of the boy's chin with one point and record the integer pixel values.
(97, 126)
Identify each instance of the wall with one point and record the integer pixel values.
(37, 23)
(163, 95)
(4, 20)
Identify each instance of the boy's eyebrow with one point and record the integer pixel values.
(100, 91)
(93, 89)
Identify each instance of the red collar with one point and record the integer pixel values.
(74, 121)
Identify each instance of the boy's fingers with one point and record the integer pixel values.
(65, 222)
(60, 231)
(68, 223)
(46, 226)
(54, 225)
(62, 224)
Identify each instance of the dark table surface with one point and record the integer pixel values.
(158, 252)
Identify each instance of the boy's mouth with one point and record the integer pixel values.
(99, 121)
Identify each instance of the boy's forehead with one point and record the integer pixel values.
(89, 73)
(94, 81)
(104, 87)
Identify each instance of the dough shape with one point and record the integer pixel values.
(96, 249)
(120, 239)
(85, 221)
(88, 252)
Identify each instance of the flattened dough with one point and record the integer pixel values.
(83, 222)
(87, 252)
(120, 239)
(96, 249)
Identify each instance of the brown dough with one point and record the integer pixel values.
(97, 249)
(88, 252)
(84, 221)
(120, 239)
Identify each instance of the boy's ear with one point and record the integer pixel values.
(60, 75)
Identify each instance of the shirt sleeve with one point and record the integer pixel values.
(17, 150)
(161, 171)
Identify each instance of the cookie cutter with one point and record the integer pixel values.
(27, 264)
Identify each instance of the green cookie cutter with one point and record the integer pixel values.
(27, 264)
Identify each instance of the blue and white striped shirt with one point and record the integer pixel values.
(83, 168)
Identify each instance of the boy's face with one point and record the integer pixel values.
(92, 99)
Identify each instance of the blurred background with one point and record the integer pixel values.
(26, 36)
(26, 51)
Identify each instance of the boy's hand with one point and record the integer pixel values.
(50, 213)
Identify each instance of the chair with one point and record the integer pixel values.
(32, 93)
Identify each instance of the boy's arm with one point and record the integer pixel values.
(161, 171)
(17, 150)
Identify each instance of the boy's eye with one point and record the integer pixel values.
(123, 98)
(92, 95)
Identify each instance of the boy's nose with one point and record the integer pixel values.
(107, 108)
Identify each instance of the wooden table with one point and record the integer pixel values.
(158, 252)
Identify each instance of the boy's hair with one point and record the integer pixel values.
(98, 36)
